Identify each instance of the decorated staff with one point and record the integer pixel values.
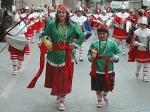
(103, 53)
(59, 67)
(140, 48)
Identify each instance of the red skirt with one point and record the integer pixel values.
(36, 27)
(42, 24)
(119, 33)
(29, 33)
(57, 81)
(142, 56)
(98, 83)
(27, 50)
(16, 54)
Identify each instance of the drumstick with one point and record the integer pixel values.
(18, 22)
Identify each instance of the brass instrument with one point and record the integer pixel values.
(47, 42)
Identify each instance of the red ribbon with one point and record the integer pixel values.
(93, 71)
(107, 75)
(43, 51)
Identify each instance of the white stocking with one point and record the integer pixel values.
(145, 69)
(138, 67)
(123, 46)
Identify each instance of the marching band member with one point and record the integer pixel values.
(104, 16)
(82, 22)
(17, 53)
(95, 18)
(109, 11)
(103, 53)
(38, 20)
(120, 34)
(52, 14)
(141, 44)
(59, 67)
(29, 32)
(133, 17)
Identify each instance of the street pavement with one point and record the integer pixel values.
(129, 95)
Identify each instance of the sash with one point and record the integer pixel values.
(56, 47)
(93, 71)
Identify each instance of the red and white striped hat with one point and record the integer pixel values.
(62, 7)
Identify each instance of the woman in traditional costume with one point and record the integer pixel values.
(59, 67)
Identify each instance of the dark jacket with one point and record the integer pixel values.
(7, 21)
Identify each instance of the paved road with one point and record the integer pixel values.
(129, 95)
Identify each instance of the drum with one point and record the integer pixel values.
(19, 42)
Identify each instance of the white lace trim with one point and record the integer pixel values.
(104, 72)
(56, 65)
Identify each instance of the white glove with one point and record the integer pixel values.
(139, 44)
(114, 59)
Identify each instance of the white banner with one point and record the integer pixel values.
(117, 4)
(146, 2)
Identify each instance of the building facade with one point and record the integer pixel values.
(70, 3)
(30, 3)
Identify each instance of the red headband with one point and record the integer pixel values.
(62, 7)
(103, 26)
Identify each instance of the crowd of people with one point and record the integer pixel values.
(67, 32)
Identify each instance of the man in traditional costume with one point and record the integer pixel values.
(29, 32)
(17, 43)
(82, 22)
(120, 34)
